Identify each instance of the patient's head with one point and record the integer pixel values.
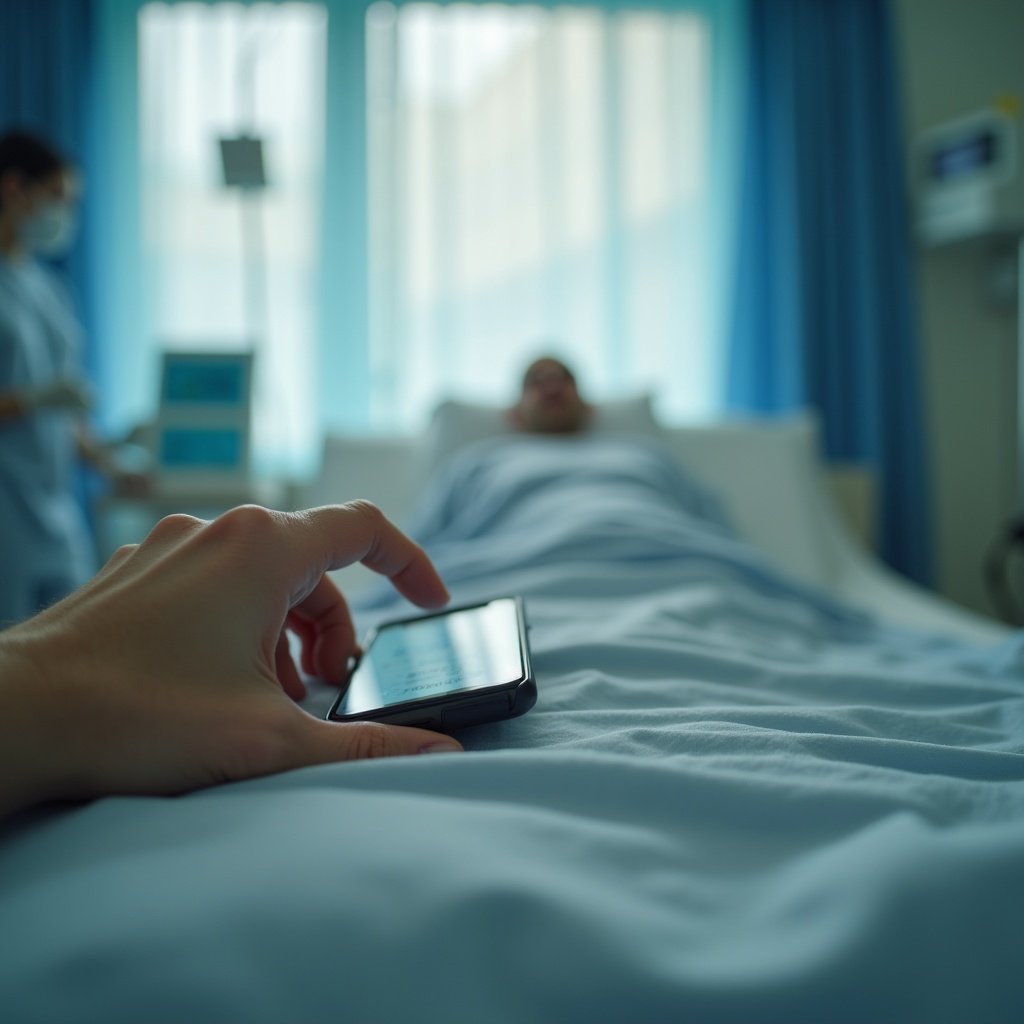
(549, 402)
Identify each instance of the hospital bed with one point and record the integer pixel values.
(812, 519)
(764, 782)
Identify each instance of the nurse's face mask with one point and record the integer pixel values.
(50, 230)
(50, 227)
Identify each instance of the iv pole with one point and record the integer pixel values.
(254, 276)
(243, 166)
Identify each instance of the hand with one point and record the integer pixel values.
(66, 393)
(171, 669)
(131, 484)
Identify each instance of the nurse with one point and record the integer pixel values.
(45, 547)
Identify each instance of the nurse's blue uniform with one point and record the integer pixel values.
(45, 549)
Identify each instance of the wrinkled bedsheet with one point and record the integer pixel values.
(736, 799)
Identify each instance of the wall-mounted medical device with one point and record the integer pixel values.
(969, 179)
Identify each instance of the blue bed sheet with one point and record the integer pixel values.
(736, 799)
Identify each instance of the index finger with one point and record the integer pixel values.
(334, 536)
(325, 629)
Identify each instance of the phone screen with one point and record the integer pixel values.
(435, 656)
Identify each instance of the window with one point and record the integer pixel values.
(540, 178)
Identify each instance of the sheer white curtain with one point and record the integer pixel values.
(540, 179)
(207, 71)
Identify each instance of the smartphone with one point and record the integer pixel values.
(445, 671)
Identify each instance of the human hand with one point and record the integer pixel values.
(131, 483)
(171, 669)
(65, 393)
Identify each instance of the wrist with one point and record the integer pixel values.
(35, 760)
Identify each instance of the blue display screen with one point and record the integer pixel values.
(965, 156)
(204, 382)
(201, 448)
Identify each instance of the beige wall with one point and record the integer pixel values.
(958, 56)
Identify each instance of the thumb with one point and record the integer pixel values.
(356, 741)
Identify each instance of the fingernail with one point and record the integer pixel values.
(440, 748)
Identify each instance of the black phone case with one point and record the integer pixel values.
(448, 713)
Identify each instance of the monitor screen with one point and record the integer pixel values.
(201, 448)
(197, 381)
(964, 156)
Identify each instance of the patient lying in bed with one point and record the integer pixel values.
(582, 514)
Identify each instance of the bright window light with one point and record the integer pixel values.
(539, 180)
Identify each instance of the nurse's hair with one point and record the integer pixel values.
(30, 156)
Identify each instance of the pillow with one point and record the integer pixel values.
(456, 424)
(766, 474)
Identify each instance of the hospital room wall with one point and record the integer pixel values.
(959, 57)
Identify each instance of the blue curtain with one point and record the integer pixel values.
(823, 309)
(46, 88)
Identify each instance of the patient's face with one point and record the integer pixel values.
(550, 403)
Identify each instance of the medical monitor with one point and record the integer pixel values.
(203, 429)
(969, 179)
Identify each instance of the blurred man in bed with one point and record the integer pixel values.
(549, 401)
